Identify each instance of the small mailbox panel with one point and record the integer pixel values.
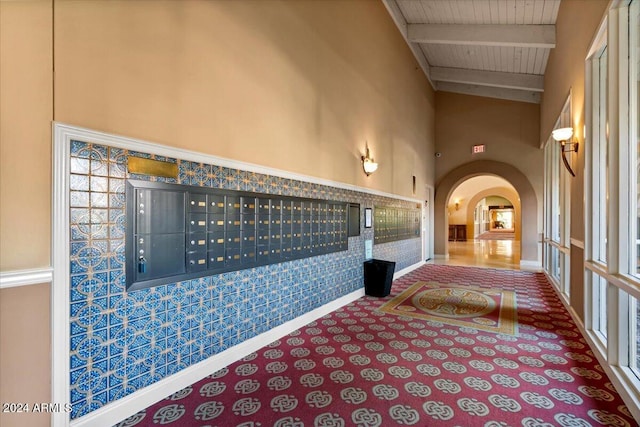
(197, 242)
(177, 232)
(216, 223)
(216, 261)
(197, 223)
(248, 205)
(232, 204)
(196, 261)
(197, 202)
(215, 203)
(215, 243)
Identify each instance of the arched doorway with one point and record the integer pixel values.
(493, 208)
(529, 215)
(486, 208)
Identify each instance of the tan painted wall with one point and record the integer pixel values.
(26, 111)
(26, 104)
(509, 129)
(291, 84)
(566, 73)
(565, 68)
(457, 216)
(25, 359)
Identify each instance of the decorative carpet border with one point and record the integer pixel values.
(489, 310)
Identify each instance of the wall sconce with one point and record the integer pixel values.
(457, 203)
(567, 145)
(368, 164)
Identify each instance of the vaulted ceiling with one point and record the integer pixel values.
(492, 48)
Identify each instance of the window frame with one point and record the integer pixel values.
(617, 351)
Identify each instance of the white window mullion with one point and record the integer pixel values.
(618, 106)
(563, 257)
(590, 143)
(590, 140)
(615, 131)
(632, 145)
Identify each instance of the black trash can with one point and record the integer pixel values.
(378, 276)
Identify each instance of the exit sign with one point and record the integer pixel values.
(478, 149)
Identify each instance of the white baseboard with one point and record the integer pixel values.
(35, 276)
(141, 399)
(441, 256)
(408, 270)
(530, 265)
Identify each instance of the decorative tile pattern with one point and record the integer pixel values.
(124, 341)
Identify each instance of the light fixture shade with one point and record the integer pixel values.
(562, 134)
(369, 166)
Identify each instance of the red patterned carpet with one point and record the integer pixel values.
(430, 365)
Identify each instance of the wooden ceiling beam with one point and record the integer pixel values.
(528, 82)
(541, 36)
(490, 92)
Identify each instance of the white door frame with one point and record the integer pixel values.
(427, 224)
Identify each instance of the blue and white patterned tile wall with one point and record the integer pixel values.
(404, 252)
(123, 341)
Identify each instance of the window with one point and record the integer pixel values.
(557, 187)
(555, 190)
(612, 195)
(599, 150)
(599, 284)
(634, 326)
(633, 329)
(634, 139)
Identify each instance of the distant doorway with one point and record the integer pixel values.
(485, 211)
(502, 220)
(501, 224)
(524, 200)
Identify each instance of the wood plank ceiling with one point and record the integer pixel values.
(492, 48)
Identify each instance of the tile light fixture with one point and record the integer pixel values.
(567, 144)
(368, 164)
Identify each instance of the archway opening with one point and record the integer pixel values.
(485, 227)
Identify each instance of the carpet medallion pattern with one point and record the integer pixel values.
(490, 310)
(370, 364)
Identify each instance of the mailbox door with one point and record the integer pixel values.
(163, 255)
(215, 203)
(197, 202)
(159, 211)
(196, 261)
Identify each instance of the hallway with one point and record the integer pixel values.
(206, 177)
(504, 254)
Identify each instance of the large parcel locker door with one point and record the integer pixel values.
(159, 234)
